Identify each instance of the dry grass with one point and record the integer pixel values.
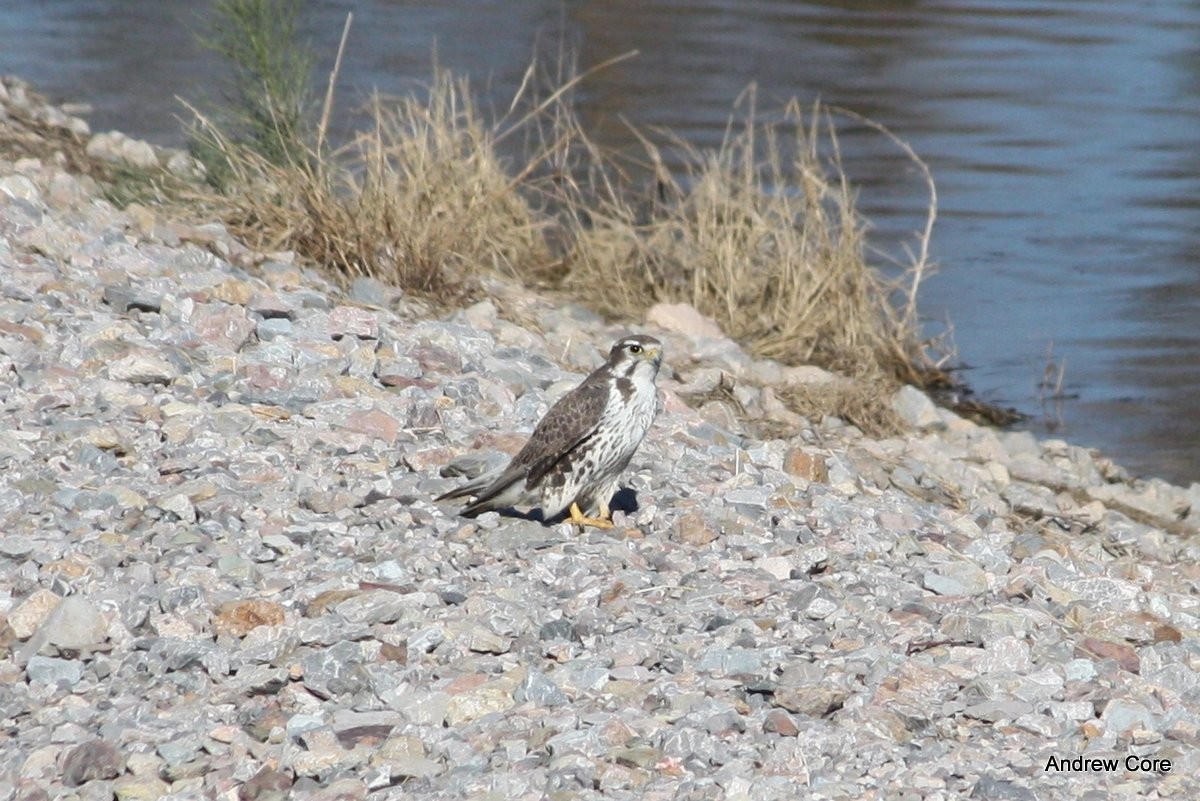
(761, 235)
(421, 200)
(864, 402)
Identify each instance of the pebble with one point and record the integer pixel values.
(956, 578)
(142, 369)
(48, 670)
(140, 788)
(915, 408)
(32, 612)
(89, 761)
(75, 623)
(222, 573)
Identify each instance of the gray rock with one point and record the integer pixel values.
(988, 787)
(179, 751)
(21, 188)
(539, 689)
(995, 711)
(334, 671)
(75, 623)
(419, 707)
(300, 723)
(16, 546)
(261, 680)
(47, 670)
(373, 292)
(273, 328)
(142, 369)
(956, 578)
(731, 661)
(482, 641)
(557, 629)
(186, 436)
(378, 606)
(426, 640)
(125, 298)
(1120, 716)
(915, 408)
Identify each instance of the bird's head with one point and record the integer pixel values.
(636, 354)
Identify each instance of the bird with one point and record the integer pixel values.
(573, 461)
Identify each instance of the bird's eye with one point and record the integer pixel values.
(635, 349)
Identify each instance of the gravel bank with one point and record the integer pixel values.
(222, 575)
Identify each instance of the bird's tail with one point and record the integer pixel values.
(494, 490)
(472, 487)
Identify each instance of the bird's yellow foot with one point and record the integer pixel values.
(582, 520)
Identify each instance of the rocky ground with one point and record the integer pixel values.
(222, 574)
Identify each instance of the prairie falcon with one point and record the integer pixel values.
(574, 459)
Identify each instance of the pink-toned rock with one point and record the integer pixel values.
(682, 318)
(693, 529)
(434, 358)
(781, 723)
(352, 321)
(239, 618)
(374, 423)
(232, 291)
(430, 458)
(672, 403)
(800, 462)
(32, 612)
(1125, 655)
(266, 376)
(466, 683)
(222, 326)
(266, 304)
(22, 331)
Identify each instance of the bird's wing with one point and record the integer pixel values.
(569, 422)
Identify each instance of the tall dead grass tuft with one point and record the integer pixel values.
(762, 235)
(420, 200)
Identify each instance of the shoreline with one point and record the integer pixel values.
(222, 571)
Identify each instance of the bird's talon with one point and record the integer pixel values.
(583, 521)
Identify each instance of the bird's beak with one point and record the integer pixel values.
(655, 354)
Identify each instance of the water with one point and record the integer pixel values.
(1064, 138)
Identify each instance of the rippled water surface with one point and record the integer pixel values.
(1064, 138)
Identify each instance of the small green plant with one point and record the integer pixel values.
(267, 105)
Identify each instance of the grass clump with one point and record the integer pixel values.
(761, 235)
(418, 199)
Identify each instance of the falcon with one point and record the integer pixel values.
(573, 461)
